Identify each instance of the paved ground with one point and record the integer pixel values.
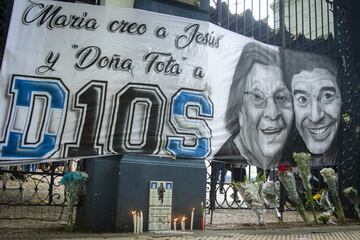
(346, 232)
(227, 224)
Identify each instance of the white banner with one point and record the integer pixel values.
(80, 81)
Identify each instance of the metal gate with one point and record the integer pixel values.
(32, 192)
(306, 25)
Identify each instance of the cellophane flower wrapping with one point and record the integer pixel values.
(287, 178)
(325, 202)
(250, 192)
(330, 178)
(353, 196)
(270, 192)
(303, 169)
(326, 205)
(74, 183)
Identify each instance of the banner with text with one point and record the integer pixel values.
(82, 81)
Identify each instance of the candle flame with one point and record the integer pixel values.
(133, 212)
(193, 209)
(183, 218)
(175, 219)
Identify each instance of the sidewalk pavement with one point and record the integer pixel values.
(226, 224)
(329, 232)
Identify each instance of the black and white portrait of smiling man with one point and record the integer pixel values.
(259, 112)
(317, 100)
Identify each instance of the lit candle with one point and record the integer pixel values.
(175, 224)
(134, 221)
(141, 221)
(192, 219)
(183, 223)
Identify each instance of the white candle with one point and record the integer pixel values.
(192, 219)
(134, 221)
(141, 221)
(138, 223)
(183, 223)
(202, 217)
(175, 224)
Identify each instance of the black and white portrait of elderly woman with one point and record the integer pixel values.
(259, 111)
(317, 102)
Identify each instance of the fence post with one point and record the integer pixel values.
(282, 44)
(347, 165)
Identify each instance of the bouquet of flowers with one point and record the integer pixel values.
(250, 192)
(74, 183)
(302, 162)
(330, 178)
(325, 203)
(270, 193)
(353, 196)
(287, 178)
(324, 217)
(322, 199)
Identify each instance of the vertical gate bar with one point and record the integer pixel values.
(315, 9)
(52, 171)
(267, 21)
(309, 9)
(322, 18)
(302, 24)
(296, 25)
(274, 4)
(328, 21)
(282, 23)
(218, 12)
(259, 23)
(333, 25)
(252, 18)
(236, 15)
(282, 44)
(244, 17)
(228, 14)
(328, 18)
(289, 24)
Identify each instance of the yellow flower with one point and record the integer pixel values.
(317, 196)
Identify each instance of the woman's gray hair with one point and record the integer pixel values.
(252, 53)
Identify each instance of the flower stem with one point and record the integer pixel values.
(311, 201)
(334, 194)
(70, 216)
(303, 214)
